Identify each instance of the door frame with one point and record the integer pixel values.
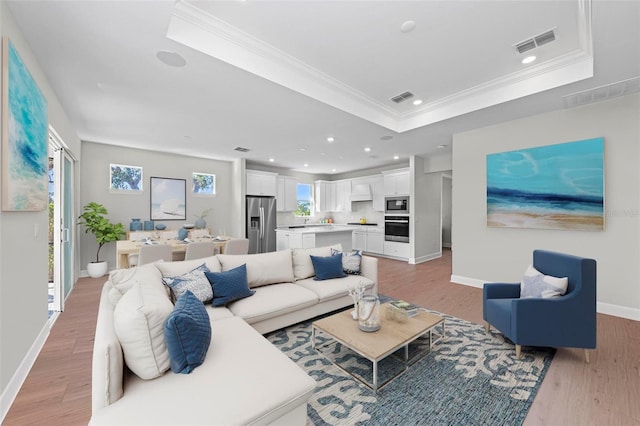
(63, 229)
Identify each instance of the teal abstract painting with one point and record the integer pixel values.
(549, 187)
(25, 137)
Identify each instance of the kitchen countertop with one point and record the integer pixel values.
(325, 228)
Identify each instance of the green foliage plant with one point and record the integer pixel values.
(94, 219)
(204, 213)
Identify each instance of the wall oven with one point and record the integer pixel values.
(396, 228)
(396, 205)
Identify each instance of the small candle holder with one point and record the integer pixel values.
(356, 294)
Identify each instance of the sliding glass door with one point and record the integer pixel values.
(63, 230)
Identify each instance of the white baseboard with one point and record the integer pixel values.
(618, 311)
(414, 260)
(471, 282)
(14, 385)
(447, 245)
(601, 307)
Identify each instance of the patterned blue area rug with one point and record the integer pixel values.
(469, 378)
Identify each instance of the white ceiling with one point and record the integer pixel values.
(279, 77)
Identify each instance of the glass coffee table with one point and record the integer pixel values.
(392, 337)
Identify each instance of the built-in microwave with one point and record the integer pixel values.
(396, 205)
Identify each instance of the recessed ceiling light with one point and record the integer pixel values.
(172, 59)
(407, 26)
(330, 139)
(396, 157)
(303, 149)
(441, 146)
(528, 59)
(333, 170)
(367, 149)
(306, 165)
(272, 160)
(417, 102)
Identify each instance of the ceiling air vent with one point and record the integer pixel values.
(536, 41)
(241, 149)
(402, 97)
(610, 91)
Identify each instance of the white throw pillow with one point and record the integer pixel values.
(262, 269)
(302, 265)
(123, 279)
(536, 284)
(173, 269)
(138, 320)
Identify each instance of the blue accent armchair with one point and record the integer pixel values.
(567, 321)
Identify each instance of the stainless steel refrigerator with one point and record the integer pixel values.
(261, 224)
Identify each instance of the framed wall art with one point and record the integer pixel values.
(549, 187)
(168, 199)
(25, 136)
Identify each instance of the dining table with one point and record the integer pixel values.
(126, 247)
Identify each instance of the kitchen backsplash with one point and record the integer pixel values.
(360, 209)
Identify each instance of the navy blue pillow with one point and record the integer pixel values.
(187, 334)
(327, 267)
(229, 286)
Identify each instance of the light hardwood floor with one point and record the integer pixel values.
(604, 392)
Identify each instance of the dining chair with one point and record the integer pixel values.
(237, 246)
(154, 252)
(137, 236)
(199, 249)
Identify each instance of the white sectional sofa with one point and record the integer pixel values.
(244, 379)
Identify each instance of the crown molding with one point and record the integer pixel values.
(195, 28)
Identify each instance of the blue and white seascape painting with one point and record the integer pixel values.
(550, 187)
(25, 139)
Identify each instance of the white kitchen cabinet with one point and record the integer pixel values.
(368, 239)
(325, 196)
(287, 194)
(308, 240)
(375, 242)
(262, 183)
(282, 240)
(290, 240)
(377, 185)
(396, 183)
(359, 239)
(396, 249)
(343, 196)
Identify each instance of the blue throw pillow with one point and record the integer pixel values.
(327, 267)
(229, 286)
(187, 334)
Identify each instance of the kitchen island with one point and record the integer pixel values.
(309, 236)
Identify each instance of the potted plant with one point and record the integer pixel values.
(94, 219)
(200, 222)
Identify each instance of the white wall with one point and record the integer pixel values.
(123, 207)
(24, 255)
(498, 254)
(425, 207)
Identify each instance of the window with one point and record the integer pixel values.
(203, 183)
(125, 178)
(305, 199)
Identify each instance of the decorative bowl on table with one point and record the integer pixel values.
(161, 227)
(188, 226)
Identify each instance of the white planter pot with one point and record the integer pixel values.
(97, 269)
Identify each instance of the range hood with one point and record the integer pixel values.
(361, 192)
